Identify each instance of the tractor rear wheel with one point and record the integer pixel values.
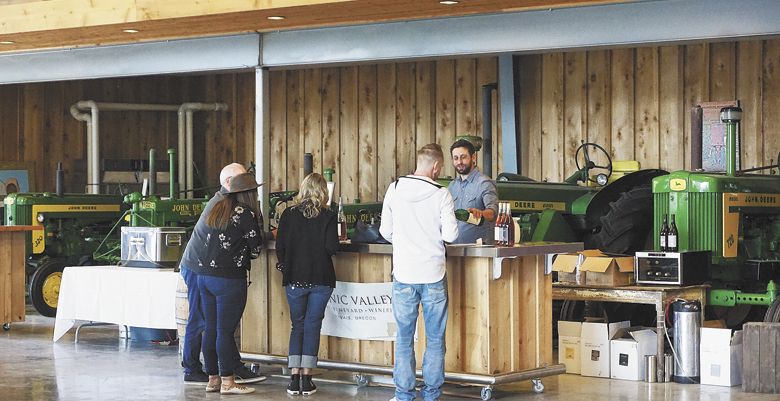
(628, 225)
(626, 228)
(45, 287)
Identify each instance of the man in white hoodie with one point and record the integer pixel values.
(418, 218)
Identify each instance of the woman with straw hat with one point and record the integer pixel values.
(234, 237)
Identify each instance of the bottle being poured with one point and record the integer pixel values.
(468, 217)
(341, 219)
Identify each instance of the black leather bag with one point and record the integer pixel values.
(367, 233)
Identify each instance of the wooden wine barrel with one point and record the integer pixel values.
(182, 311)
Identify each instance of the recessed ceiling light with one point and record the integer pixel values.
(130, 30)
(276, 17)
(6, 42)
(448, 2)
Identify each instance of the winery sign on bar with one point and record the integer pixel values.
(361, 311)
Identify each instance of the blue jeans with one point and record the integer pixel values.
(223, 301)
(195, 324)
(406, 301)
(307, 309)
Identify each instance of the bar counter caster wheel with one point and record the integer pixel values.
(486, 393)
(361, 380)
(538, 386)
(6, 326)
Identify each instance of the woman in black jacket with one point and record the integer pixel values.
(306, 240)
(233, 237)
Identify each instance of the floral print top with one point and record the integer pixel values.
(230, 251)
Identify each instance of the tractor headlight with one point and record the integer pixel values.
(601, 179)
(40, 218)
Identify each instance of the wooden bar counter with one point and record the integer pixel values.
(500, 309)
(12, 271)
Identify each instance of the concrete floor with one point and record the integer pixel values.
(102, 367)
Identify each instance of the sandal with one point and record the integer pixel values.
(213, 388)
(236, 389)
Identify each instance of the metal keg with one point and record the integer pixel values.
(686, 317)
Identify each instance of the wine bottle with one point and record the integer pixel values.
(341, 219)
(664, 233)
(671, 237)
(499, 225)
(468, 217)
(511, 234)
(505, 225)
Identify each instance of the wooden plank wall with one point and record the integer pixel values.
(367, 121)
(36, 125)
(636, 102)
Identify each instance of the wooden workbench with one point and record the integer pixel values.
(500, 312)
(657, 295)
(12, 271)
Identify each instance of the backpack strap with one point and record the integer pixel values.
(435, 184)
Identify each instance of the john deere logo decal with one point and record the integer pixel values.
(677, 184)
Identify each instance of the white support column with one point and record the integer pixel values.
(262, 138)
(506, 101)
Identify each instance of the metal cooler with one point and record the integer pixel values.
(155, 247)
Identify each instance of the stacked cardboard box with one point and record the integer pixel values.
(593, 267)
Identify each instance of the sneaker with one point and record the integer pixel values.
(196, 378)
(236, 389)
(307, 386)
(246, 376)
(294, 388)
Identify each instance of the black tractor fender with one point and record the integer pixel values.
(599, 205)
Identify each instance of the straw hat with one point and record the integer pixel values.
(240, 183)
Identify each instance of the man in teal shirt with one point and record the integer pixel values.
(473, 191)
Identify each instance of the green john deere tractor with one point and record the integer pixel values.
(611, 215)
(73, 227)
(736, 216)
(82, 229)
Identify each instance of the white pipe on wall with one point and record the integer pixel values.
(188, 147)
(94, 185)
(182, 150)
(185, 134)
(186, 171)
(86, 117)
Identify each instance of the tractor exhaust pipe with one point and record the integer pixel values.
(487, 128)
(731, 116)
(152, 172)
(59, 181)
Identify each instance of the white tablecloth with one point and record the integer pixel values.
(129, 296)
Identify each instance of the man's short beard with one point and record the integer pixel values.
(467, 170)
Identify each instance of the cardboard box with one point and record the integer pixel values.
(569, 345)
(568, 266)
(628, 348)
(608, 269)
(721, 357)
(594, 350)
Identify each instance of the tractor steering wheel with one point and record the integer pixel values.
(588, 165)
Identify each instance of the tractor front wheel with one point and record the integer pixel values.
(45, 287)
